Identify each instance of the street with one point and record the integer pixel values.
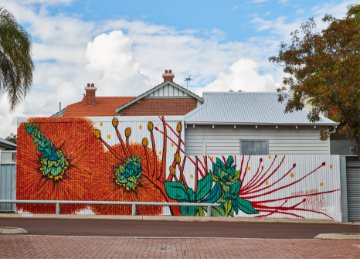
(139, 228)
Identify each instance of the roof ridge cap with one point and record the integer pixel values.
(257, 93)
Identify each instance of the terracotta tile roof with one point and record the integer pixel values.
(105, 106)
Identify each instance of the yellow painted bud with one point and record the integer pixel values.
(145, 142)
(150, 126)
(115, 122)
(177, 158)
(127, 132)
(97, 133)
(172, 170)
(179, 127)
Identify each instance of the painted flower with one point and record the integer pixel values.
(128, 174)
(56, 158)
(125, 177)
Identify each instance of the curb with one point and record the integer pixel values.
(12, 231)
(338, 236)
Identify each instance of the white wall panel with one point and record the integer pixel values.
(226, 139)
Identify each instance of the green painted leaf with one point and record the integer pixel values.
(217, 212)
(226, 188)
(237, 175)
(188, 211)
(176, 191)
(191, 194)
(246, 206)
(214, 177)
(230, 161)
(223, 175)
(235, 205)
(201, 212)
(228, 207)
(235, 188)
(227, 195)
(204, 187)
(219, 162)
(214, 195)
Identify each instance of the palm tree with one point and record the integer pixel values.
(16, 65)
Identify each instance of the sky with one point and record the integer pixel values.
(123, 47)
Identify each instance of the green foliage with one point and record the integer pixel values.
(53, 161)
(178, 191)
(221, 185)
(226, 176)
(16, 65)
(128, 174)
(11, 138)
(204, 187)
(323, 69)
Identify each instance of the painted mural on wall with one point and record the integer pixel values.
(79, 159)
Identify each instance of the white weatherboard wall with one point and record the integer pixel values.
(225, 140)
(168, 91)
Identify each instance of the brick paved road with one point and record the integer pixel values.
(28, 246)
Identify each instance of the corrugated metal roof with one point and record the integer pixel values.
(7, 144)
(258, 108)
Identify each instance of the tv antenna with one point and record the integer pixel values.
(187, 80)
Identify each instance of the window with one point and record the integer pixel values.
(254, 147)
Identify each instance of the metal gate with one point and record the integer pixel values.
(7, 180)
(353, 188)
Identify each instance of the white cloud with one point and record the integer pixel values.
(281, 27)
(242, 75)
(110, 56)
(258, 1)
(338, 10)
(48, 2)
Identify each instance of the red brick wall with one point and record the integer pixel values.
(90, 97)
(160, 106)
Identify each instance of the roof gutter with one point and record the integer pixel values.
(259, 124)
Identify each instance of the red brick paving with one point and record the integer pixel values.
(29, 246)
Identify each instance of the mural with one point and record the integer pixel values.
(79, 159)
(56, 159)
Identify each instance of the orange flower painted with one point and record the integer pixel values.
(73, 141)
(106, 185)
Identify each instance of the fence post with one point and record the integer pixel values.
(343, 184)
(133, 209)
(208, 214)
(57, 208)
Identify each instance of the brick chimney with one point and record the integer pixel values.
(89, 96)
(168, 76)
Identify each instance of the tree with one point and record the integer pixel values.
(323, 69)
(16, 65)
(11, 138)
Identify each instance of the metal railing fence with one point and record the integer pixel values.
(132, 203)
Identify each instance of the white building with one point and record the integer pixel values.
(252, 124)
